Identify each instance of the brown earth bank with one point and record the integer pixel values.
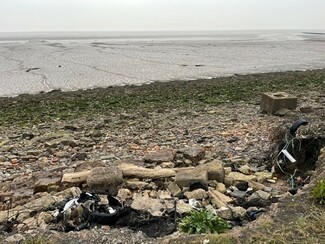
(157, 147)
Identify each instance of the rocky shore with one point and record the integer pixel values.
(156, 143)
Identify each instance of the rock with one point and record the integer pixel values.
(221, 187)
(71, 192)
(219, 199)
(41, 202)
(62, 154)
(284, 111)
(89, 165)
(44, 183)
(263, 176)
(163, 155)
(241, 177)
(124, 194)
(105, 179)
(168, 165)
(136, 185)
(225, 213)
(255, 185)
(238, 194)
(256, 200)
(245, 169)
(228, 181)
(241, 185)
(195, 154)
(164, 194)
(187, 176)
(3, 158)
(174, 189)
(16, 238)
(215, 170)
(238, 212)
(97, 134)
(182, 207)
(197, 194)
(146, 203)
(264, 195)
(68, 141)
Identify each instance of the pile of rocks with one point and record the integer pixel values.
(165, 179)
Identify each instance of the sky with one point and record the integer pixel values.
(160, 15)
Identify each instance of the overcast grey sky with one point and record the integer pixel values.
(120, 15)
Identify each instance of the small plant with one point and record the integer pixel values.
(203, 221)
(318, 192)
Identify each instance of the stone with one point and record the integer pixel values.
(245, 169)
(44, 183)
(136, 185)
(195, 154)
(62, 154)
(89, 165)
(197, 194)
(3, 158)
(228, 181)
(160, 156)
(225, 213)
(238, 212)
(264, 195)
(124, 194)
(255, 185)
(256, 200)
(263, 176)
(221, 187)
(241, 177)
(272, 102)
(283, 112)
(40, 202)
(238, 194)
(146, 203)
(16, 238)
(185, 177)
(174, 189)
(215, 170)
(164, 194)
(105, 179)
(219, 199)
(182, 207)
(68, 141)
(241, 185)
(168, 165)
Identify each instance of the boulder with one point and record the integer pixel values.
(263, 176)
(225, 213)
(105, 179)
(187, 176)
(89, 165)
(215, 170)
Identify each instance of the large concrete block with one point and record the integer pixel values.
(272, 102)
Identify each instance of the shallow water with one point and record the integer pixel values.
(34, 62)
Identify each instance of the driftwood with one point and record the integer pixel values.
(128, 170)
(76, 178)
(131, 170)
